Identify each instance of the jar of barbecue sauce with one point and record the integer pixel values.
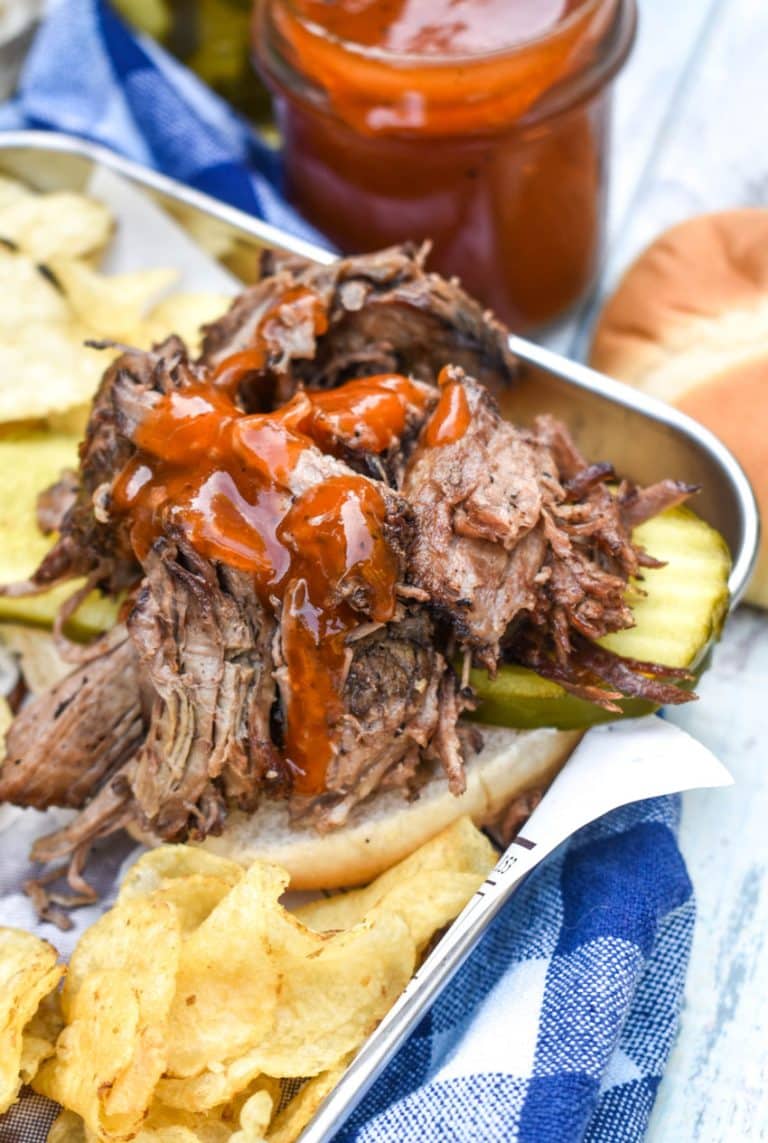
(481, 125)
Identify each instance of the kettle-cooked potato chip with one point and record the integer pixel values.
(255, 1115)
(61, 224)
(229, 977)
(192, 880)
(28, 972)
(138, 937)
(31, 298)
(11, 190)
(428, 889)
(6, 717)
(39, 661)
(110, 305)
(118, 994)
(40, 1036)
(67, 1128)
(184, 314)
(332, 1000)
(95, 1051)
(175, 862)
(47, 369)
(289, 1123)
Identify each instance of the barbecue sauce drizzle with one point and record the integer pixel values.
(319, 557)
(451, 417)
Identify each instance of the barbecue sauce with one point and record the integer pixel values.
(237, 487)
(368, 414)
(451, 418)
(298, 306)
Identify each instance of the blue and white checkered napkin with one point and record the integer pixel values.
(559, 1026)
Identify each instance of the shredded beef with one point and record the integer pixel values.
(384, 313)
(203, 641)
(507, 544)
(400, 698)
(64, 743)
(478, 504)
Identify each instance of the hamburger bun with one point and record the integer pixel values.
(386, 828)
(688, 323)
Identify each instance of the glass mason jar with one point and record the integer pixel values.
(498, 156)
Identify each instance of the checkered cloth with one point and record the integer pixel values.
(559, 1026)
(87, 75)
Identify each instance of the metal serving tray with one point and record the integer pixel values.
(643, 438)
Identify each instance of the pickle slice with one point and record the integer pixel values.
(30, 460)
(677, 620)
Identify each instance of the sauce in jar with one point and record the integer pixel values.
(478, 124)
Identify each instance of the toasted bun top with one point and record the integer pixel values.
(386, 828)
(688, 323)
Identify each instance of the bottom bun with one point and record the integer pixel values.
(386, 828)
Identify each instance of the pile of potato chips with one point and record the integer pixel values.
(193, 1008)
(54, 300)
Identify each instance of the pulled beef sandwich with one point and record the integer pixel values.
(317, 528)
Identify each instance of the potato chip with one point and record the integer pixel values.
(209, 1089)
(164, 1126)
(255, 1115)
(96, 1049)
(40, 1036)
(194, 897)
(428, 889)
(67, 1128)
(116, 1001)
(228, 978)
(167, 873)
(47, 369)
(289, 1123)
(28, 972)
(30, 298)
(114, 305)
(329, 1002)
(184, 314)
(69, 422)
(139, 938)
(11, 190)
(155, 868)
(34, 1051)
(62, 224)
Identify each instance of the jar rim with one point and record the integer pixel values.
(437, 60)
(288, 73)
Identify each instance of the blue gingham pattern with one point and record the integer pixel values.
(559, 1026)
(88, 75)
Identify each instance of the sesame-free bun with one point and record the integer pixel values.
(386, 828)
(688, 323)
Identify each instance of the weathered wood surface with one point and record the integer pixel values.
(691, 135)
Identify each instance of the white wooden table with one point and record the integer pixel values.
(691, 135)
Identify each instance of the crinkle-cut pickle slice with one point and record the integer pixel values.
(30, 460)
(677, 621)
